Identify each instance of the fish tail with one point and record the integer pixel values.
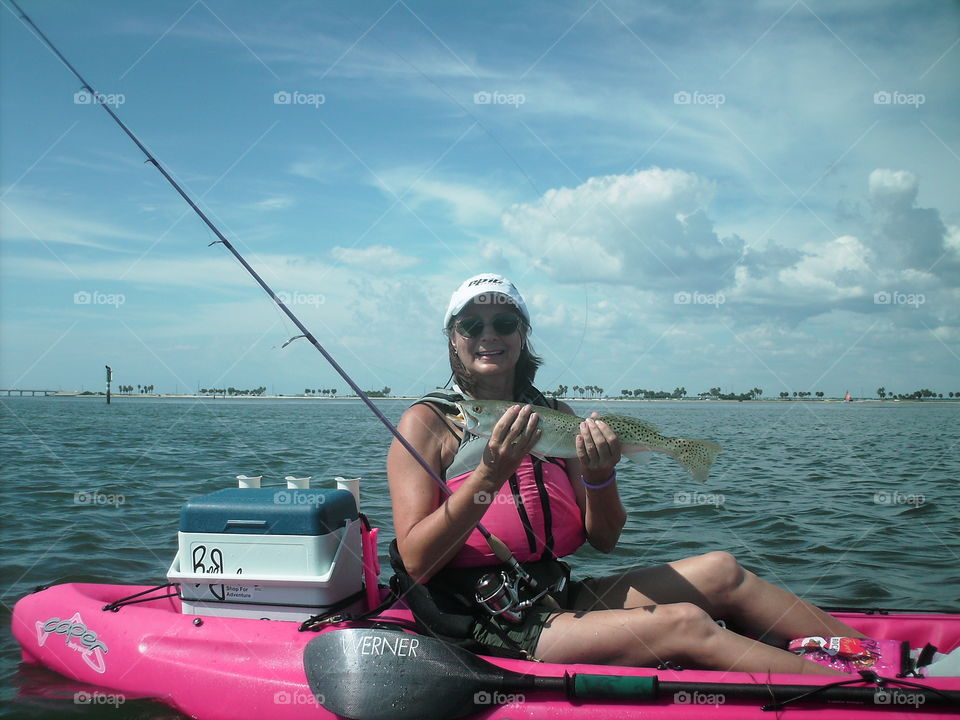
(696, 456)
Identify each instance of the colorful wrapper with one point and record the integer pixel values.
(851, 655)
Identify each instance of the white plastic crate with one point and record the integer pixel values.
(273, 595)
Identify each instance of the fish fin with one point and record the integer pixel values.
(696, 456)
(641, 457)
(539, 455)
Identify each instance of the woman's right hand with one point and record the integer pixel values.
(513, 437)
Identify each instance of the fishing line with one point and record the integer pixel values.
(496, 545)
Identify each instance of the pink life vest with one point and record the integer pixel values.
(535, 513)
(544, 523)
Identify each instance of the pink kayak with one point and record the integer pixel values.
(220, 668)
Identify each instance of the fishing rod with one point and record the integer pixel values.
(500, 550)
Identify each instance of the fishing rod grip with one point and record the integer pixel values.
(503, 554)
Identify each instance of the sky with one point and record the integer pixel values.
(688, 194)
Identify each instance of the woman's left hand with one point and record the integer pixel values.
(598, 449)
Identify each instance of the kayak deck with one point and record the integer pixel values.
(217, 668)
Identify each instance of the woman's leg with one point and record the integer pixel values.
(647, 636)
(719, 585)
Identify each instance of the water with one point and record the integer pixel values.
(845, 504)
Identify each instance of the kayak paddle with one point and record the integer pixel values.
(371, 674)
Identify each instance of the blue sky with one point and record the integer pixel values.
(697, 194)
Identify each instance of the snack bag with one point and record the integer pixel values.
(851, 655)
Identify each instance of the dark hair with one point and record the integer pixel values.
(524, 372)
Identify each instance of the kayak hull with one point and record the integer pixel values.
(216, 668)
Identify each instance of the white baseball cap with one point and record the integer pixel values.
(485, 288)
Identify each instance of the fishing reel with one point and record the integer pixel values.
(499, 594)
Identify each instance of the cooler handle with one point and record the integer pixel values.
(246, 524)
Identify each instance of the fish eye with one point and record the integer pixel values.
(477, 408)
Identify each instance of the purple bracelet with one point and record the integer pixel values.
(613, 476)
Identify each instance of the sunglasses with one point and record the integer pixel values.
(472, 326)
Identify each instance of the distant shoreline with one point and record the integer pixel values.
(193, 396)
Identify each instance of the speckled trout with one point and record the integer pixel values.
(638, 438)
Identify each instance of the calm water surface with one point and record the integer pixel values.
(850, 505)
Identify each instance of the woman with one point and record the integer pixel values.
(545, 510)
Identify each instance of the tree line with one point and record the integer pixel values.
(883, 393)
(140, 388)
(232, 391)
(331, 391)
(594, 391)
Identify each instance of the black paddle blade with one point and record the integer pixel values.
(369, 674)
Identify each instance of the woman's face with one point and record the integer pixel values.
(489, 353)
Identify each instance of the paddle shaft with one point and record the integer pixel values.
(880, 695)
(583, 686)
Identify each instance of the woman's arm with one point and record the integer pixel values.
(431, 530)
(598, 454)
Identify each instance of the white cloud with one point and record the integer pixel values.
(375, 259)
(647, 228)
(829, 271)
(29, 220)
(466, 200)
(275, 203)
(215, 272)
(893, 183)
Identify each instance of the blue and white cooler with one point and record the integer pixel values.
(274, 554)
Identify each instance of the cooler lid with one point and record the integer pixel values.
(268, 511)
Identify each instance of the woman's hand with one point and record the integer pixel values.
(512, 438)
(598, 449)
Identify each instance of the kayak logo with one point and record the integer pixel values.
(497, 698)
(898, 697)
(698, 698)
(78, 637)
(403, 647)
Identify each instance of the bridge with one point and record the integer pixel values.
(32, 392)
